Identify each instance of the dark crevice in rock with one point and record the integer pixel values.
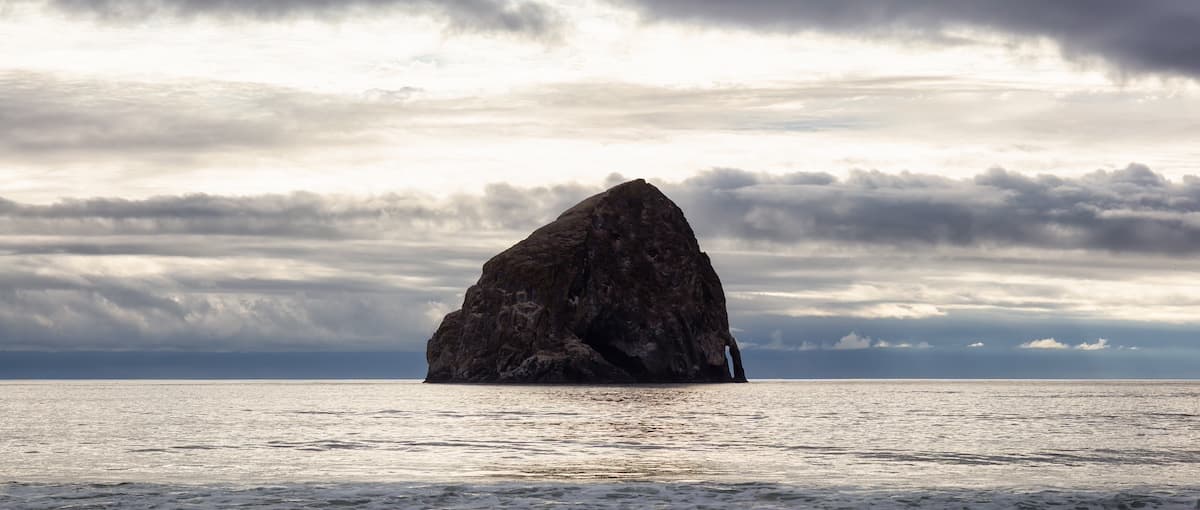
(601, 335)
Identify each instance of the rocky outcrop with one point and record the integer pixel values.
(616, 290)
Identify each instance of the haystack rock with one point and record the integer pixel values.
(616, 290)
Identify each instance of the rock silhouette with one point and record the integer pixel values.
(616, 290)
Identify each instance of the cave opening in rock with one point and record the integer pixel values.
(602, 335)
(734, 355)
(728, 361)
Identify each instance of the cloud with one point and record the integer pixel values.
(64, 114)
(1098, 345)
(57, 115)
(436, 311)
(1045, 343)
(1132, 209)
(305, 270)
(777, 343)
(303, 215)
(478, 15)
(881, 344)
(158, 312)
(976, 345)
(851, 341)
(64, 117)
(1153, 36)
(127, 136)
(1050, 343)
(268, 272)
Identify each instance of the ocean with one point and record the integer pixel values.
(766, 444)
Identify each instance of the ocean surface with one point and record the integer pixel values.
(767, 444)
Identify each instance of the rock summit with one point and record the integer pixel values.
(616, 290)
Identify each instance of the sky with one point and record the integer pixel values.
(1018, 182)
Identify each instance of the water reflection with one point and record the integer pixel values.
(1093, 434)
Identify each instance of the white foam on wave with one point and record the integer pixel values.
(594, 495)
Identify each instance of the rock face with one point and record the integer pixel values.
(616, 290)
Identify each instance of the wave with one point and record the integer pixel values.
(39, 496)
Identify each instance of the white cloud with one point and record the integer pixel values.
(777, 343)
(852, 341)
(1098, 345)
(280, 98)
(976, 345)
(901, 311)
(1045, 343)
(884, 344)
(1050, 343)
(436, 311)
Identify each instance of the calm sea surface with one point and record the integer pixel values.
(793, 444)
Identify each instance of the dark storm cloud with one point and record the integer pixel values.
(106, 318)
(1127, 210)
(309, 271)
(273, 272)
(484, 15)
(500, 207)
(169, 291)
(1157, 36)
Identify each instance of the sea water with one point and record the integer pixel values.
(766, 444)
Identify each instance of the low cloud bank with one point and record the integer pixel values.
(850, 342)
(1049, 343)
(309, 271)
(1132, 209)
(297, 215)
